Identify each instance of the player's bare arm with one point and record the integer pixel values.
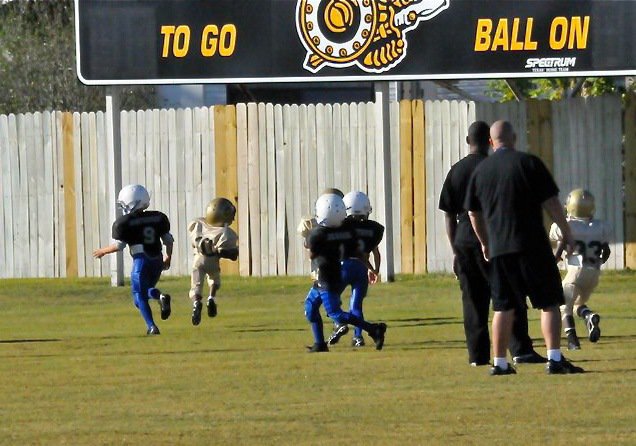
(101, 252)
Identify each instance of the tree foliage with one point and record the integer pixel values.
(554, 88)
(38, 64)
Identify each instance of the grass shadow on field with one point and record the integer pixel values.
(431, 344)
(26, 341)
(424, 322)
(617, 339)
(266, 329)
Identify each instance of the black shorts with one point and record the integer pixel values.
(515, 276)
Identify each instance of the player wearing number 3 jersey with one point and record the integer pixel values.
(357, 270)
(144, 232)
(583, 266)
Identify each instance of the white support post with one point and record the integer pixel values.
(113, 146)
(384, 200)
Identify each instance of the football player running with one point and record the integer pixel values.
(308, 223)
(144, 232)
(583, 266)
(327, 244)
(212, 239)
(357, 271)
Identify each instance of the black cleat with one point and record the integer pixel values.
(196, 312)
(573, 340)
(211, 307)
(338, 332)
(496, 370)
(154, 330)
(378, 335)
(592, 326)
(164, 302)
(317, 348)
(561, 367)
(530, 358)
(357, 341)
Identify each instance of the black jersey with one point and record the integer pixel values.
(453, 195)
(368, 234)
(144, 229)
(509, 188)
(328, 247)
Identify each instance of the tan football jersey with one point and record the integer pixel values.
(589, 236)
(223, 237)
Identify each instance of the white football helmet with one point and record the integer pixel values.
(133, 197)
(330, 211)
(357, 203)
(580, 204)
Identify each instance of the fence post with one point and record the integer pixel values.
(383, 132)
(630, 181)
(113, 147)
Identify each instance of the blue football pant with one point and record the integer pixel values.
(355, 273)
(144, 276)
(331, 301)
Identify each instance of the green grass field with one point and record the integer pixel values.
(76, 368)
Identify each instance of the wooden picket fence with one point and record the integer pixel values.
(274, 161)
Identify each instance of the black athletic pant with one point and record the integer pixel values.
(472, 271)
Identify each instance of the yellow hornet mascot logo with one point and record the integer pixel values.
(366, 33)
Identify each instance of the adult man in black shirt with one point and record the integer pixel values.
(469, 264)
(505, 196)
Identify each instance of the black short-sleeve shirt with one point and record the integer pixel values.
(508, 188)
(142, 228)
(451, 199)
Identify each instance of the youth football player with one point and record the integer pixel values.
(144, 232)
(327, 244)
(357, 270)
(212, 239)
(584, 265)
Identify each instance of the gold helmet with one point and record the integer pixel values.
(580, 204)
(219, 212)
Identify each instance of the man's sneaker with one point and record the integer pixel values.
(378, 335)
(196, 312)
(317, 348)
(496, 370)
(211, 307)
(530, 358)
(592, 326)
(357, 341)
(479, 363)
(573, 340)
(154, 330)
(338, 332)
(561, 367)
(164, 302)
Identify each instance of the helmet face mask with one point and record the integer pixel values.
(330, 211)
(357, 204)
(132, 198)
(220, 212)
(580, 204)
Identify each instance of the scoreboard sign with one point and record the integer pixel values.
(231, 41)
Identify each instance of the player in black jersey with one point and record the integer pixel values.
(357, 271)
(328, 243)
(144, 232)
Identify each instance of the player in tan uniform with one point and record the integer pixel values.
(212, 239)
(584, 265)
